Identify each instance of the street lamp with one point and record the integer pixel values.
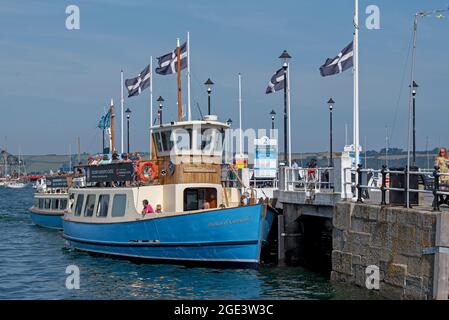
(273, 116)
(159, 113)
(229, 122)
(414, 88)
(128, 114)
(331, 103)
(209, 85)
(285, 57)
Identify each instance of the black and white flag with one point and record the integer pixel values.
(277, 82)
(340, 63)
(168, 63)
(139, 83)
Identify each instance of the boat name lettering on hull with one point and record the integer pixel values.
(227, 222)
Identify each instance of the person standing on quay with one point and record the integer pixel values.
(442, 163)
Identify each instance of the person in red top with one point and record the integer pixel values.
(147, 208)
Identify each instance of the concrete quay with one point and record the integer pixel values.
(401, 253)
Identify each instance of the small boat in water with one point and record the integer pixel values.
(197, 218)
(50, 203)
(16, 184)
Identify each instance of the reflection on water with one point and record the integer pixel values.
(34, 259)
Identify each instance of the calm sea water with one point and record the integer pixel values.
(33, 261)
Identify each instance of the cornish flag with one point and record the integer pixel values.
(168, 63)
(277, 82)
(139, 83)
(340, 63)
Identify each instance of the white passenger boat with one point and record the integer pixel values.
(199, 220)
(51, 203)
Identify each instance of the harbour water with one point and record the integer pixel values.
(33, 262)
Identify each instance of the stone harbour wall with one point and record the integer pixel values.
(396, 240)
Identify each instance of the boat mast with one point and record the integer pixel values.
(151, 108)
(111, 110)
(240, 117)
(6, 156)
(189, 113)
(121, 108)
(178, 53)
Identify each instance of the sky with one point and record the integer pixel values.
(56, 83)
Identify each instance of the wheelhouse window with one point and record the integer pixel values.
(119, 205)
(158, 139)
(200, 198)
(90, 205)
(103, 205)
(79, 204)
(63, 204)
(167, 143)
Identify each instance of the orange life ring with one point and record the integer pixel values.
(142, 172)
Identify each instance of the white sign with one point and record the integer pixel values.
(266, 158)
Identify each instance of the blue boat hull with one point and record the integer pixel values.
(233, 235)
(52, 221)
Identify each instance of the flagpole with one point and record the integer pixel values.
(112, 145)
(289, 118)
(121, 106)
(240, 116)
(151, 108)
(178, 51)
(189, 115)
(356, 86)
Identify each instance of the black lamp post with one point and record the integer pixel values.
(414, 88)
(273, 116)
(331, 103)
(128, 115)
(159, 113)
(209, 85)
(285, 57)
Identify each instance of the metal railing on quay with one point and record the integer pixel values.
(402, 184)
(307, 179)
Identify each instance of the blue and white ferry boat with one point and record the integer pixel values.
(51, 203)
(199, 219)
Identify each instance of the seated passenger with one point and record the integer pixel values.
(147, 208)
(222, 206)
(158, 208)
(97, 160)
(105, 160)
(125, 157)
(115, 157)
(206, 205)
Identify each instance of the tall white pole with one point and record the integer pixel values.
(289, 118)
(151, 108)
(240, 116)
(356, 85)
(121, 107)
(189, 114)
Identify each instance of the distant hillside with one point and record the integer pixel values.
(375, 159)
